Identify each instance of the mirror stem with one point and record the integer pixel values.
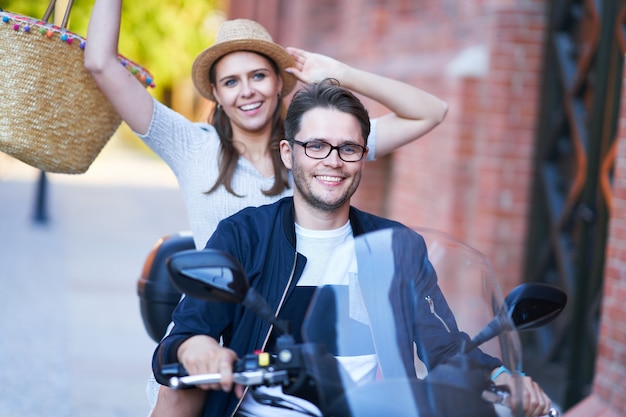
(255, 302)
(499, 324)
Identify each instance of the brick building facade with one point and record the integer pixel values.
(470, 176)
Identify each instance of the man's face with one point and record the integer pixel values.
(324, 184)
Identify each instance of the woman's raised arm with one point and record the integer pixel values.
(127, 94)
(414, 112)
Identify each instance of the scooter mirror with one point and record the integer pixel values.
(528, 306)
(532, 305)
(209, 274)
(213, 275)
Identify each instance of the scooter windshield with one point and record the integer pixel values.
(398, 329)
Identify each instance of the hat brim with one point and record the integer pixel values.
(203, 62)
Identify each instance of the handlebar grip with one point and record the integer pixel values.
(182, 381)
(502, 396)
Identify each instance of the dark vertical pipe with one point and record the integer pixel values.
(41, 200)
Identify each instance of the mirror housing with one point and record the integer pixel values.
(214, 275)
(209, 274)
(528, 306)
(532, 305)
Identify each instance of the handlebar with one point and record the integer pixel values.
(266, 375)
(253, 369)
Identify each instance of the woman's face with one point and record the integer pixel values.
(247, 88)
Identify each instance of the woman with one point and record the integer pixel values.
(233, 162)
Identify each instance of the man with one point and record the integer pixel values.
(284, 247)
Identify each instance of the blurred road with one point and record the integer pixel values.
(72, 342)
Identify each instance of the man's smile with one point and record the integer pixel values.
(329, 178)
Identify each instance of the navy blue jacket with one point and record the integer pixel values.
(263, 240)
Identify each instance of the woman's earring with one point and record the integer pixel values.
(219, 106)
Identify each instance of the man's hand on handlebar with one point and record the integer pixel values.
(202, 354)
(536, 402)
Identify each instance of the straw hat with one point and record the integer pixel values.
(241, 35)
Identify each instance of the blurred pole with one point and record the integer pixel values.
(41, 200)
(41, 197)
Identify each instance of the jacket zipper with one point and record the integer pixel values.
(267, 336)
(431, 303)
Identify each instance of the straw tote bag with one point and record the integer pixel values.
(52, 114)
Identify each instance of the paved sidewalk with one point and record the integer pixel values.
(72, 340)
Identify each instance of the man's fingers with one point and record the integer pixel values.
(536, 401)
(239, 390)
(226, 369)
(203, 355)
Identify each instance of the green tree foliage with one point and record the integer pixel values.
(164, 36)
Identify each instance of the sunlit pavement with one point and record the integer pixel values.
(72, 342)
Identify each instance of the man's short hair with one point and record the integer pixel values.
(326, 94)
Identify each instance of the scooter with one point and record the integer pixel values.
(312, 369)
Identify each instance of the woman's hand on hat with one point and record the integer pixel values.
(311, 67)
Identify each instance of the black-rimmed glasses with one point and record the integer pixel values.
(318, 149)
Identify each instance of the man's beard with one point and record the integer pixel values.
(305, 190)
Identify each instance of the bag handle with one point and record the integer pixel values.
(66, 17)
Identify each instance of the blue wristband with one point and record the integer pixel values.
(503, 369)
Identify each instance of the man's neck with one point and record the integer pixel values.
(316, 219)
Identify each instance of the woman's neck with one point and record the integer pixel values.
(256, 149)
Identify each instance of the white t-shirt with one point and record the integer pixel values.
(330, 261)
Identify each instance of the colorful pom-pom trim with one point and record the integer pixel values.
(29, 25)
